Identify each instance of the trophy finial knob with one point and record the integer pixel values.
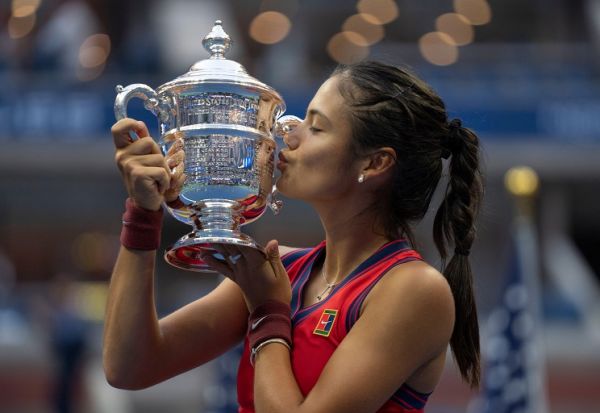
(217, 42)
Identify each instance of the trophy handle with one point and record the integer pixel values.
(283, 126)
(275, 204)
(159, 106)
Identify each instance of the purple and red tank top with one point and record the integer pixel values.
(319, 328)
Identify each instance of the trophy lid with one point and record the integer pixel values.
(219, 70)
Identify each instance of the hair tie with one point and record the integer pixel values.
(454, 141)
(454, 124)
(462, 251)
(445, 153)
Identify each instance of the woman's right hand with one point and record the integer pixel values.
(148, 176)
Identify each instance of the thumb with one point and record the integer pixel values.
(272, 250)
(122, 130)
(141, 129)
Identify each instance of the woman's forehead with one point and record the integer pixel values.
(328, 99)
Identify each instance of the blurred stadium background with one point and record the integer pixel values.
(524, 74)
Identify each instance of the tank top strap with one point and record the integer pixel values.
(408, 398)
(401, 256)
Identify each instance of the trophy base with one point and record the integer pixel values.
(186, 253)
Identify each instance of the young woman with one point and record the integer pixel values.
(359, 323)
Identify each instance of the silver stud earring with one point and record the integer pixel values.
(361, 178)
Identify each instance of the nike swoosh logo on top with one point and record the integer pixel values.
(257, 322)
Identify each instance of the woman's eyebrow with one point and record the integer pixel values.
(320, 114)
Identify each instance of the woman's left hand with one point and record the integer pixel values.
(259, 273)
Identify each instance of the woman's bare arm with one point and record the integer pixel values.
(139, 350)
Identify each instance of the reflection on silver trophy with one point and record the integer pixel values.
(226, 120)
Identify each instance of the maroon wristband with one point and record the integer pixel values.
(270, 320)
(141, 227)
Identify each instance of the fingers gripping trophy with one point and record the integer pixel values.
(224, 121)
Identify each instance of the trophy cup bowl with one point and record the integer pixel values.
(227, 121)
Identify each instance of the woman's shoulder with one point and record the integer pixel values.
(417, 273)
(417, 278)
(291, 255)
(285, 250)
(415, 287)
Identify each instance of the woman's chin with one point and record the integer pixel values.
(281, 186)
(284, 188)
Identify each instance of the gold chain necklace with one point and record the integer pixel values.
(329, 287)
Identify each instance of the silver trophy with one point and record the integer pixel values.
(227, 121)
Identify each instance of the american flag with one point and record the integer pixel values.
(513, 353)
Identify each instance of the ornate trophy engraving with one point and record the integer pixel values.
(226, 120)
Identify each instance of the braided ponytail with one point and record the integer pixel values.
(455, 224)
(391, 107)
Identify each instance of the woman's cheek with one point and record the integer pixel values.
(295, 184)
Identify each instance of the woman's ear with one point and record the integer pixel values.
(379, 162)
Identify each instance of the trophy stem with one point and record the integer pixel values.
(215, 221)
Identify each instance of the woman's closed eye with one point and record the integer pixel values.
(314, 129)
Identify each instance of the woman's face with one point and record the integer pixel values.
(317, 164)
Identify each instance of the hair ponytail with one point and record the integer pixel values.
(391, 107)
(455, 224)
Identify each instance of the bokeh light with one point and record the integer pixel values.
(521, 181)
(94, 50)
(457, 27)
(270, 27)
(287, 7)
(369, 33)
(93, 53)
(90, 300)
(20, 26)
(477, 11)
(347, 47)
(94, 251)
(24, 8)
(379, 11)
(438, 48)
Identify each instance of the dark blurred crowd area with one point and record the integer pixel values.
(60, 24)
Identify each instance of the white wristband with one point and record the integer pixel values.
(255, 350)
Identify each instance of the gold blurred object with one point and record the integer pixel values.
(379, 11)
(90, 300)
(478, 12)
(521, 181)
(270, 27)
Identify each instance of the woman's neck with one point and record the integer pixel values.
(352, 236)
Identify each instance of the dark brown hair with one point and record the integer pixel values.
(391, 107)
